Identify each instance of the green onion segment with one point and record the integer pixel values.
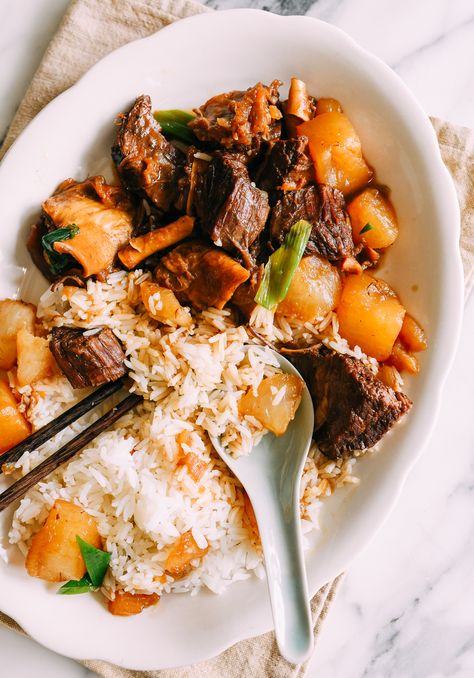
(59, 262)
(174, 123)
(367, 227)
(281, 266)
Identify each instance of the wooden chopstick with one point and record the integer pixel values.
(46, 432)
(21, 487)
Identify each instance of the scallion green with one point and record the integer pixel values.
(59, 262)
(96, 562)
(175, 115)
(174, 124)
(367, 227)
(281, 266)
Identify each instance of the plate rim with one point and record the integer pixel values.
(453, 270)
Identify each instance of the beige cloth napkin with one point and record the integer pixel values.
(457, 149)
(90, 30)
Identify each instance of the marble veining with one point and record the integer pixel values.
(286, 8)
(405, 609)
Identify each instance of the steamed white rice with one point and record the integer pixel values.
(129, 478)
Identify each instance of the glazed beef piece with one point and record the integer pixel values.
(193, 170)
(200, 274)
(240, 120)
(244, 296)
(35, 248)
(324, 208)
(231, 209)
(333, 236)
(353, 409)
(290, 208)
(146, 162)
(286, 167)
(88, 359)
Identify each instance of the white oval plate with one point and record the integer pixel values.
(182, 66)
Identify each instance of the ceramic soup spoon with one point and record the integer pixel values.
(271, 476)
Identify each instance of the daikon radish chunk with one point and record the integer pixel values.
(35, 360)
(54, 554)
(183, 551)
(403, 360)
(275, 404)
(162, 305)
(314, 290)
(126, 604)
(14, 316)
(336, 152)
(370, 315)
(373, 219)
(13, 426)
(327, 105)
(412, 335)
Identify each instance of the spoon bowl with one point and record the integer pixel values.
(271, 476)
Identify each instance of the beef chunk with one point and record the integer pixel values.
(244, 296)
(190, 180)
(286, 167)
(231, 209)
(333, 236)
(353, 409)
(88, 359)
(240, 120)
(200, 274)
(324, 208)
(290, 208)
(146, 162)
(35, 248)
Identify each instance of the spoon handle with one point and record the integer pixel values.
(277, 514)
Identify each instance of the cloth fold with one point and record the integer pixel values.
(91, 29)
(256, 657)
(457, 150)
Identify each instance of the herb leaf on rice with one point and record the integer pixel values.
(74, 587)
(96, 562)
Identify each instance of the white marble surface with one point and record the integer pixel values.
(406, 607)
